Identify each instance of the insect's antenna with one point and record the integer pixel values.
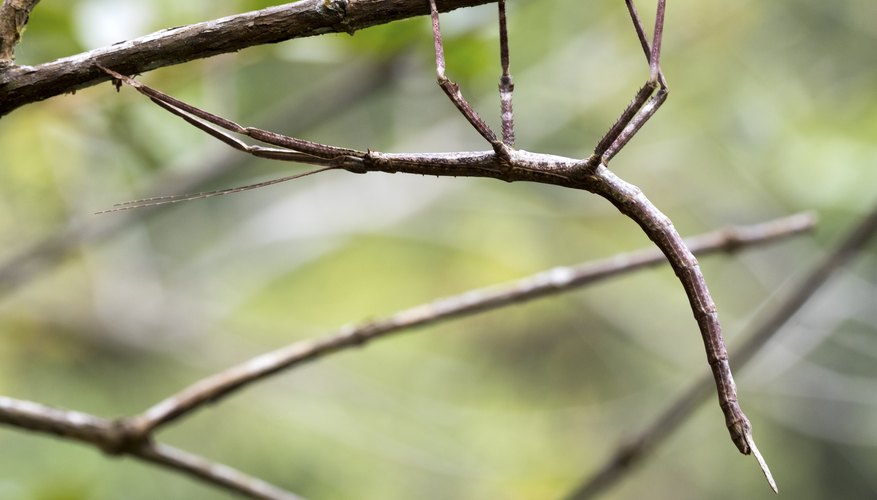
(166, 200)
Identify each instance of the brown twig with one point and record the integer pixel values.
(109, 436)
(13, 18)
(637, 449)
(212, 472)
(542, 284)
(24, 85)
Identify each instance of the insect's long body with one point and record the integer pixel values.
(507, 163)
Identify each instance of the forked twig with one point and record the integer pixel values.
(506, 163)
(108, 435)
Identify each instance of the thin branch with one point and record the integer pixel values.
(109, 436)
(21, 85)
(45, 419)
(636, 450)
(13, 18)
(211, 472)
(539, 285)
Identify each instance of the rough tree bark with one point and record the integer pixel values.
(20, 85)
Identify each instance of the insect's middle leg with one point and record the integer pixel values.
(452, 89)
(506, 87)
(646, 101)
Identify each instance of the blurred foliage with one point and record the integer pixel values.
(772, 110)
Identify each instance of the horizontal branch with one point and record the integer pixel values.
(108, 436)
(542, 284)
(637, 449)
(20, 85)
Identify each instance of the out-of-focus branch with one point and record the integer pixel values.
(109, 436)
(212, 472)
(13, 18)
(133, 436)
(23, 85)
(638, 449)
(542, 284)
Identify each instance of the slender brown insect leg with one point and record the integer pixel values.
(452, 89)
(506, 87)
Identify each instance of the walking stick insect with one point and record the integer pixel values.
(505, 162)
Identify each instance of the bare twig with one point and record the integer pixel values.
(13, 18)
(109, 436)
(24, 85)
(637, 449)
(542, 284)
(212, 472)
(68, 424)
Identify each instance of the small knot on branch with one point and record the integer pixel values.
(123, 437)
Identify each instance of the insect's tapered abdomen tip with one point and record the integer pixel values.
(761, 463)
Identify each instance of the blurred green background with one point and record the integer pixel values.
(772, 111)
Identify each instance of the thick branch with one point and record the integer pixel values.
(23, 85)
(542, 284)
(637, 449)
(13, 19)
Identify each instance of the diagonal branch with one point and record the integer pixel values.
(636, 450)
(539, 285)
(21, 85)
(108, 436)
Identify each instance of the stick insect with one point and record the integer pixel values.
(503, 161)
